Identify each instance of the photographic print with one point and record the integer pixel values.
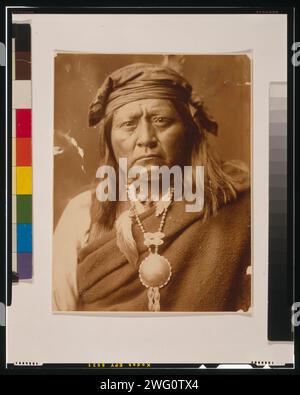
(152, 183)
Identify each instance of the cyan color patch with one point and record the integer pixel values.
(24, 238)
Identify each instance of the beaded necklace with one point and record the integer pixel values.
(155, 270)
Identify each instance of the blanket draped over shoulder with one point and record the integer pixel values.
(209, 263)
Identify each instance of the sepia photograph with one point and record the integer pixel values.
(152, 183)
(156, 181)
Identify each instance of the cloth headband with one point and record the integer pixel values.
(146, 81)
(146, 90)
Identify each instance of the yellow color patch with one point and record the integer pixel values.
(24, 180)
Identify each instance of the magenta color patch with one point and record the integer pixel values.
(23, 122)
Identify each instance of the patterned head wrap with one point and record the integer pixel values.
(146, 81)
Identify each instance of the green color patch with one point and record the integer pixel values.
(24, 209)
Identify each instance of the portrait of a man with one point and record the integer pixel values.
(160, 221)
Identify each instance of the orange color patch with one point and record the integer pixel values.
(23, 152)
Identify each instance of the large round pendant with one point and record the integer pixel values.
(155, 271)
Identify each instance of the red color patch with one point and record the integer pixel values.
(23, 122)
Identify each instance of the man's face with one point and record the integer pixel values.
(149, 132)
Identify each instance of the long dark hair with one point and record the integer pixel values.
(222, 181)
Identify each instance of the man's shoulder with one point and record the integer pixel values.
(81, 201)
(244, 199)
(237, 213)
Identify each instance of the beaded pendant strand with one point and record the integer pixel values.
(155, 270)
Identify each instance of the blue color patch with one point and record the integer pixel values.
(24, 238)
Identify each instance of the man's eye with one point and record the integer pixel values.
(162, 121)
(128, 124)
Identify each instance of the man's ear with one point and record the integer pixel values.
(201, 115)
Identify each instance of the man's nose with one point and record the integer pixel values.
(146, 135)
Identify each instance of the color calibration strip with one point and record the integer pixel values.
(279, 315)
(21, 152)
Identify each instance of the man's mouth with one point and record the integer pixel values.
(148, 157)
